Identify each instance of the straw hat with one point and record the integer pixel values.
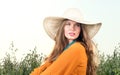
(51, 24)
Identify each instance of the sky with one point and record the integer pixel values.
(21, 22)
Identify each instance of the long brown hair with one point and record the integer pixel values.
(88, 44)
(61, 42)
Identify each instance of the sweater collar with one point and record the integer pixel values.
(69, 44)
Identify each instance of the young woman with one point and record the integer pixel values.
(74, 50)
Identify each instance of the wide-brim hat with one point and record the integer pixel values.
(52, 23)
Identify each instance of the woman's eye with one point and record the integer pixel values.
(78, 25)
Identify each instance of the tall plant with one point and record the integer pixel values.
(10, 66)
(110, 65)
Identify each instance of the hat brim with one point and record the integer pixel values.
(52, 24)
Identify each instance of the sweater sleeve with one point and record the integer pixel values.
(40, 69)
(66, 63)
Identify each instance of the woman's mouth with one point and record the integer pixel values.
(71, 34)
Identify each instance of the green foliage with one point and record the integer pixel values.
(10, 66)
(110, 65)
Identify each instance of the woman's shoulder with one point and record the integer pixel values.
(76, 48)
(77, 45)
(79, 50)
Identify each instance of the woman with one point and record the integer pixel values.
(73, 53)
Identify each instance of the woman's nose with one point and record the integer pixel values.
(72, 27)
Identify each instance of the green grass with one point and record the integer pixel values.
(110, 64)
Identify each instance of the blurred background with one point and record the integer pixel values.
(21, 23)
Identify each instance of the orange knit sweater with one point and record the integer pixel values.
(73, 61)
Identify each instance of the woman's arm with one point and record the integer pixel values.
(40, 69)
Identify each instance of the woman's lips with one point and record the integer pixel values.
(71, 34)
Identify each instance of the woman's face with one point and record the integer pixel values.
(71, 30)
